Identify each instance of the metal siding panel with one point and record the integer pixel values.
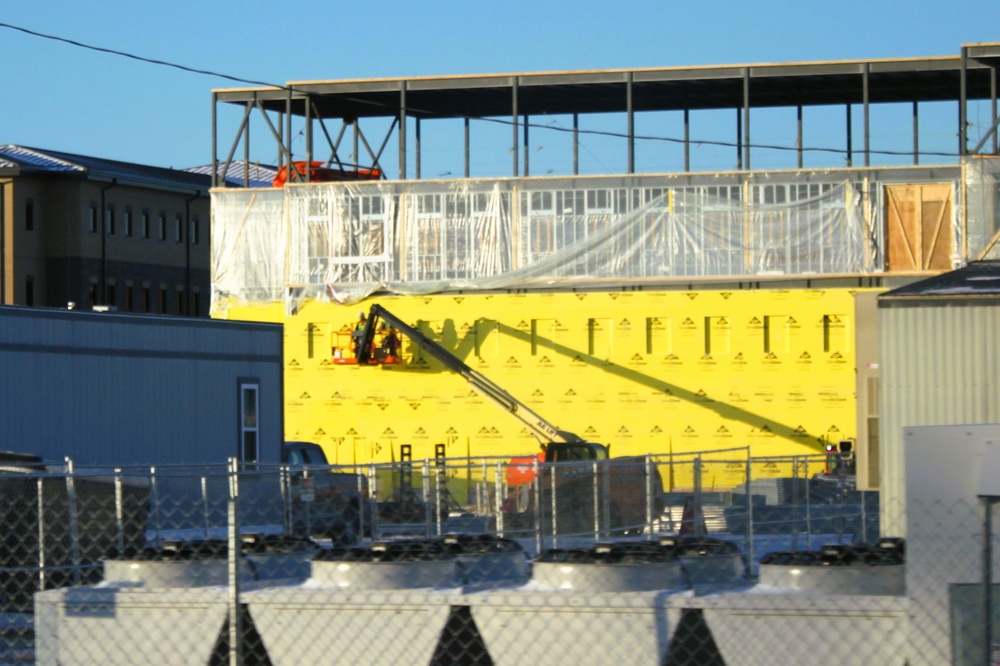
(117, 390)
(938, 367)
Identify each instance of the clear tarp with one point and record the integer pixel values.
(341, 242)
(982, 179)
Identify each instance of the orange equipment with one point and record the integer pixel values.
(320, 173)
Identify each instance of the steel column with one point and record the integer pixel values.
(798, 134)
(246, 147)
(630, 113)
(514, 117)
(402, 130)
(215, 157)
(687, 140)
(416, 148)
(466, 147)
(288, 132)
(576, 144)
(864, 101)
(739, 140)
(746, 117)
(963, 130)
(527, 166)
(916, 134)
(850, 136)
(309, 137)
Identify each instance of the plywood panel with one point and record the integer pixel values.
(919, 227)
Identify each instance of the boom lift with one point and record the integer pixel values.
(622, 485)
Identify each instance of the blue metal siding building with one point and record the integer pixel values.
(115, 389)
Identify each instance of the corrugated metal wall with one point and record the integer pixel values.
(939, 365)
(121, 390)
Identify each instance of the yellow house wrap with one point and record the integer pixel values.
(644, 372)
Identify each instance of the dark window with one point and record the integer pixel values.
(29, 290)
(193, 232)
(179, 229)
(146, 302)
(163, 226)
(180, 302)
(109, 221)
(145, 224)
(163, 300)
(249, 426)
(127, 222)
(129, 305)
(112, 295)
(29, 215)
(196, 303)
(92, 294)
(92, 219)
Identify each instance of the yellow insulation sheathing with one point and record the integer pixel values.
(645, 372)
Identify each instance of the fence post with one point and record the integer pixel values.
(119, 513)
(597, 501)
(987, 577)
(425, 488)
(373, 498)
(698, 509)
(539, 513)
(751, 550)
(649, 496)
(233, 527)
(204, 504)
(41, 533)
(498, 498)
(74, 526)
(808, 507)
(555, 504)
(154, 499)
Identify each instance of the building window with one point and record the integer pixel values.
(29, 290)
(127, 222)
(129, 301)
(163, 226)
(180, 302)
(163, 299)
(193, 231)
(112, 296)
(249, 426)
(146, 301)
(196, 303)
(29, 215)
(109, 221)
(92, 218)
(179, 229)
(92, 294)
(145, 223)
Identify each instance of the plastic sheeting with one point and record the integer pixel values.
(982, 179)
(342, 242)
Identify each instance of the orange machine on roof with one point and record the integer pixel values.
(320, 172)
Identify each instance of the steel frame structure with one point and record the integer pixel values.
(970, 76)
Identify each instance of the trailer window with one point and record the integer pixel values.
(249, 428)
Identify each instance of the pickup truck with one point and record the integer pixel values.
(323, 502)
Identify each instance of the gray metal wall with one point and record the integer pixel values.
(113, 389)
(939, 365)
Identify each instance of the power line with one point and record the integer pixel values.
(132, 56)
(503, 121)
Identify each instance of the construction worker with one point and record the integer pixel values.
(390, 343)
(359, 332)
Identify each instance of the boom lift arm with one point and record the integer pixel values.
(546, 433)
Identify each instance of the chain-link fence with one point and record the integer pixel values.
(717, 558)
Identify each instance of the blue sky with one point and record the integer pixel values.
(62, 97)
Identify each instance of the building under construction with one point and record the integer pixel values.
(663, 307)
